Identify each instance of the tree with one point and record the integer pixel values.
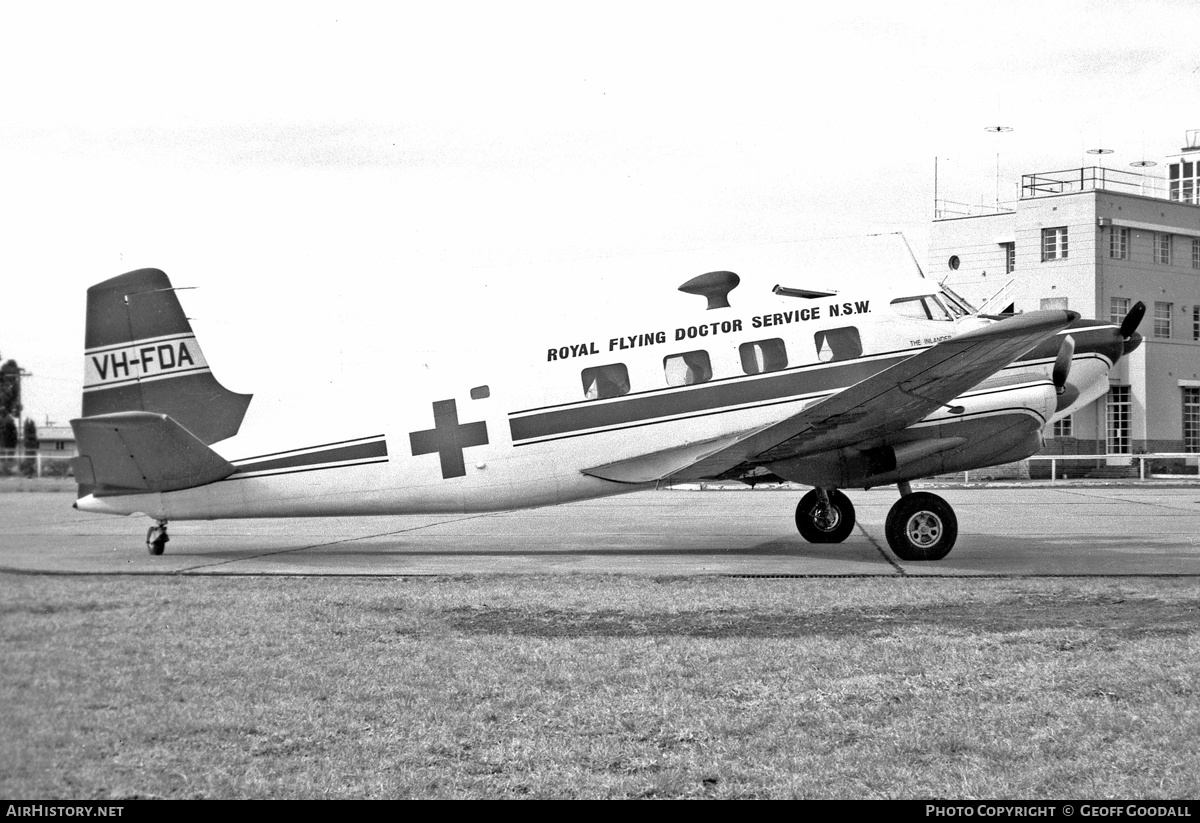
(8, 433)
(29, 464)
(10, 389)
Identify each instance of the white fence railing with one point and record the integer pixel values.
(1189, 460)
(35, 464)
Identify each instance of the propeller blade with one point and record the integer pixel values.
(1133, 319)
(1067, 393)
(1062, 363)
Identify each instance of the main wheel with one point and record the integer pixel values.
(830, 526)
(921, 526)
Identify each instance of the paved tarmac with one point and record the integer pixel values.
(1011, 531)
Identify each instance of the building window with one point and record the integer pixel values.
(1118, 243)
(688, 368)
(763, 356)
(1010, 257)
(1184, 181)
(1195, 253)
(1064, 427)
(1162, 320)
(1196, 322)
(1162, 248)
(605, 381)
(1118, 307)
(1191, 419)
(1054, 243)
(1118, 406)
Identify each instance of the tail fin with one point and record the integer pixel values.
(141, 355)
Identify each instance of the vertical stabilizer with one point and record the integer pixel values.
(140, 355)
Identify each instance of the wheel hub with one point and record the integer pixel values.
(924, 529)
(826, 518)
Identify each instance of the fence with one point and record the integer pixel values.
(37, 464)
(1114, 466)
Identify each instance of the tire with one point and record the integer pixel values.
(836, 529)
(156, 540)
(921, 526)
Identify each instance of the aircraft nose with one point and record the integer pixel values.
(1132, 342)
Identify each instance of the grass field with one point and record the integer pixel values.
(593, 686)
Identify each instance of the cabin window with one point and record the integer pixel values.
(838, 344)
(605, 381)
(480, 393)
(763, 356)
(687, 368)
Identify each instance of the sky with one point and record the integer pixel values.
(347, 186)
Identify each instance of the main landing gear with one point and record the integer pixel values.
(156, 538)
(920, 526)
(825, 516)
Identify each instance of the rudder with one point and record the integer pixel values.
(140, 354)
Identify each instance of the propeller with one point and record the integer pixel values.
(1067, 393)
(1129, 326)
(1133, 319)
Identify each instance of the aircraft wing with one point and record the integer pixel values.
(885, 403)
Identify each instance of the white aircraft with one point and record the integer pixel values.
(860, 388)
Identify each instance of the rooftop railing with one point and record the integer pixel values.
(1090, 178)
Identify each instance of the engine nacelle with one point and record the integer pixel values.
(996, 426)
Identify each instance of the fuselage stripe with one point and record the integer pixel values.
(698, 399)
(250, 475)
(339, 454)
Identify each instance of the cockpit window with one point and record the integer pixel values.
(926, 307)
(957, 303)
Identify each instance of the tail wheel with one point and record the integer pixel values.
(156, 539)
(825, 524)
(921, 526)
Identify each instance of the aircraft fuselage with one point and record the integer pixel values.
(542, 413)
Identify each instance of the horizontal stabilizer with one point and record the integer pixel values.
(141, 452)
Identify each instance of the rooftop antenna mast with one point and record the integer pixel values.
(998, 130)
(1143, 164)
(1101, 153)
